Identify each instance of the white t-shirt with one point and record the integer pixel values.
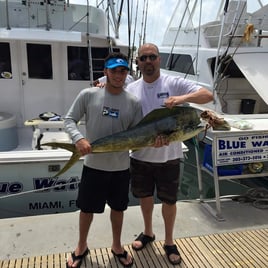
(152, 96)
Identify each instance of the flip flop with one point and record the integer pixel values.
(144, 239)
(121, 256)
(78, 258)
(172, 250)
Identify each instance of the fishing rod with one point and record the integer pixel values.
(142, 24)
(7, 16)
(134, 36)
(145, 22)
(225, 59)
(169, 59)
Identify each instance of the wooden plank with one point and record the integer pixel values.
(247, 248)
(188, 254)
(63, 260)
(5, 264)
(90, 259)
(202, 259)
(136, 255)
(147, 258)
(24, 263)
(56, 261)
(31, 262)
(112, 260)
(208, 258)
(232, 246)
(50, 260)
(225, 250)
(236, 242)
(129, 249)
(105, 257)
(216, 249)
(100, 258)
(139, 259)
(38, 261)
(158, 254)
(185, 259)
(212, 252)
(17, 263)
(236, 249)
(259, 238)
(263, 232)
(255, 247)
(163, 259)
(156, 257)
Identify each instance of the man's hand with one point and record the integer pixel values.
(174, 100)
(83, 146)
(160, 141)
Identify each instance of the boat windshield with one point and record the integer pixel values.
(187, 13)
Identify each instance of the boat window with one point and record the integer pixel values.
(178, 62)
(228, 69)
(5, 61)
(78, 66)
(39, 61)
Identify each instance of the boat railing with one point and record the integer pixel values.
(212, 33)
(260, 31)
(232, 24)
(237, 24)
(57, 15)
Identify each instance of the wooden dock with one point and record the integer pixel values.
(234, 249)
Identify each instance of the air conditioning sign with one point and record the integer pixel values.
(241, 149)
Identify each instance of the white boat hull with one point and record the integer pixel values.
(28, 187)
(49, 52)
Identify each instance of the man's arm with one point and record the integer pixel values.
(201, 96)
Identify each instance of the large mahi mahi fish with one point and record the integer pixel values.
(177, 124)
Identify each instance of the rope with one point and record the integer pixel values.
(258, 197)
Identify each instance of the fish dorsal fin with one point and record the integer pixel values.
(164, 112)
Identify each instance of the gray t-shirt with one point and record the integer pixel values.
(104, 114)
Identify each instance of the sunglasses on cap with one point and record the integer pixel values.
(152, 57)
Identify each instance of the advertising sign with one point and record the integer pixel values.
(241, 149)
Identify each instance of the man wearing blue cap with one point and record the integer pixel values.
(105, 176)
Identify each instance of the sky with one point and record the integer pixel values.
(158, 16)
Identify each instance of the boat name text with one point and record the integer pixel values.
(41, 185)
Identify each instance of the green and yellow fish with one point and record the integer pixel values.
(177, 124)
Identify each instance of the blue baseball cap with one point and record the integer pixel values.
(116, 62)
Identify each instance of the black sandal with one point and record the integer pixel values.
(78, 258)
(144, 239)
(172, 250)
(121, 256)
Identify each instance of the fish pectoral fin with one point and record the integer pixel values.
(67, 146)
(74, 158)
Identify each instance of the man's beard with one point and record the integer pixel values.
(149, 70)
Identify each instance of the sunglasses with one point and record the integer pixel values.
(151, 57)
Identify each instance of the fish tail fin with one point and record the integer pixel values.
(74, 158)
(67, 146)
